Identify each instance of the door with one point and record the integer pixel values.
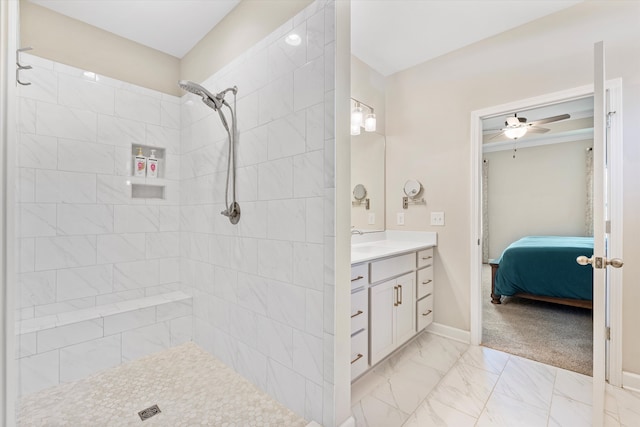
(383, 300)
(601, 253)
(406, 309)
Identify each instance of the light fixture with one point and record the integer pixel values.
(358, 118)
(515, 132)
(293, 39)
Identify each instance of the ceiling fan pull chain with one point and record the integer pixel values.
(514, 148)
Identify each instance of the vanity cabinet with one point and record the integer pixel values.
(359, 320)
(424, 289)
(391, 301)
(392, 315)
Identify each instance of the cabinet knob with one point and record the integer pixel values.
(357, 358)
(357, 278)
(357, 314)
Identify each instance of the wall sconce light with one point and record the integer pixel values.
(358, 118)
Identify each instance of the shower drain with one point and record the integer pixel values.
(145, 414)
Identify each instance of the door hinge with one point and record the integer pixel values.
(609, 114)
(478, 242)
(607, 333)
(607, 226)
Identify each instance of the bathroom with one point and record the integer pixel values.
(260, 295)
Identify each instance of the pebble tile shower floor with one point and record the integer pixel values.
(191, 388)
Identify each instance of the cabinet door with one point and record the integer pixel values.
(406, 311)
(382, 298)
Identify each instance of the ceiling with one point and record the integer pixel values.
(388, 35)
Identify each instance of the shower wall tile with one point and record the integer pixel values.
(84, 219)
(65, 187)
(286, 220)
(64, 252)
(66, 122)
(137, 106)
(81, 360)
(131, 219)
(170, 113)
(275, 179)
(75, 283)
(63, 336)
(309, 82)
(286, 136)
(73, 156)
(37, 288)
(120, 131)
(26, 185)
(308, 174)
(37, 219)
(37, 151)
(114, 248)
(44, 83)
(38, 372)
(276, 99)
(85, 93)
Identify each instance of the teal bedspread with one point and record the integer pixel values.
(546, 265)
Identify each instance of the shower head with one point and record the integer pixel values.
(211, 100)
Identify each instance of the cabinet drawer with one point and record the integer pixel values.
(391, 267)
(424, 283)
(359, 311)
(425, 312)
(359, 275)
(359, 353)
(425, 257)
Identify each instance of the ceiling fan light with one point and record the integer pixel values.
(515, 133)
(370, 123)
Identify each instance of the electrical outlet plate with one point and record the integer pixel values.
(372, 218)
(400, 218)
(437, 218)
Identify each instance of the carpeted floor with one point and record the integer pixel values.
(550, 333)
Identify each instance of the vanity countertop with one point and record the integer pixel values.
(371, 246)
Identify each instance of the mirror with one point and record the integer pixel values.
(412, 188)
(368, 172)
(359, 192)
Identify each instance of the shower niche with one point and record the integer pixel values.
(146, 186)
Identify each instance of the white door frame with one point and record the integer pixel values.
(615, 283)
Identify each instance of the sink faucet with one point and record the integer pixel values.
(356, 231)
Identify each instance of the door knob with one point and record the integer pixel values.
(600, 262)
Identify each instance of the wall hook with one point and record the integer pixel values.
(22, 67)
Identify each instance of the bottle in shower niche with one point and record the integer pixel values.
(140, 165)
(152, 165)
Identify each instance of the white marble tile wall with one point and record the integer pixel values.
(69, 346)
(261, 288)
(83, 240)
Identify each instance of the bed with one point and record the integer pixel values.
(544, 268)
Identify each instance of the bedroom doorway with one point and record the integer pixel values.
(614, 369)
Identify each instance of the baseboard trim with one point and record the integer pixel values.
(630, 381)
(450, 332)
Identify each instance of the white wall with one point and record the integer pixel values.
(428, 110)
(263, 289)
(542, 192)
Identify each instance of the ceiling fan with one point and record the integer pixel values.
(517, 127)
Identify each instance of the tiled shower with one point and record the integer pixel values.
(113, 267)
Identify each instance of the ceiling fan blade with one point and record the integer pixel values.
(491, 130)
(495, 136)
(535, 129)
(549, 120)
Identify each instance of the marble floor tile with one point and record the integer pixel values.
(407, 388)
(569, 412)
(433, 413)
(371, 412)
(466, 388)
(365, 385)
(574, 386)
(485, 358)
(528, 381)
(504, 411)
(438, 352)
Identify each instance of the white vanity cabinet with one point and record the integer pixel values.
(424, 289)
(359, 319)
(391, 296)
(392, 320)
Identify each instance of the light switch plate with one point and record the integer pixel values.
(400, 218)
(437, 218)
